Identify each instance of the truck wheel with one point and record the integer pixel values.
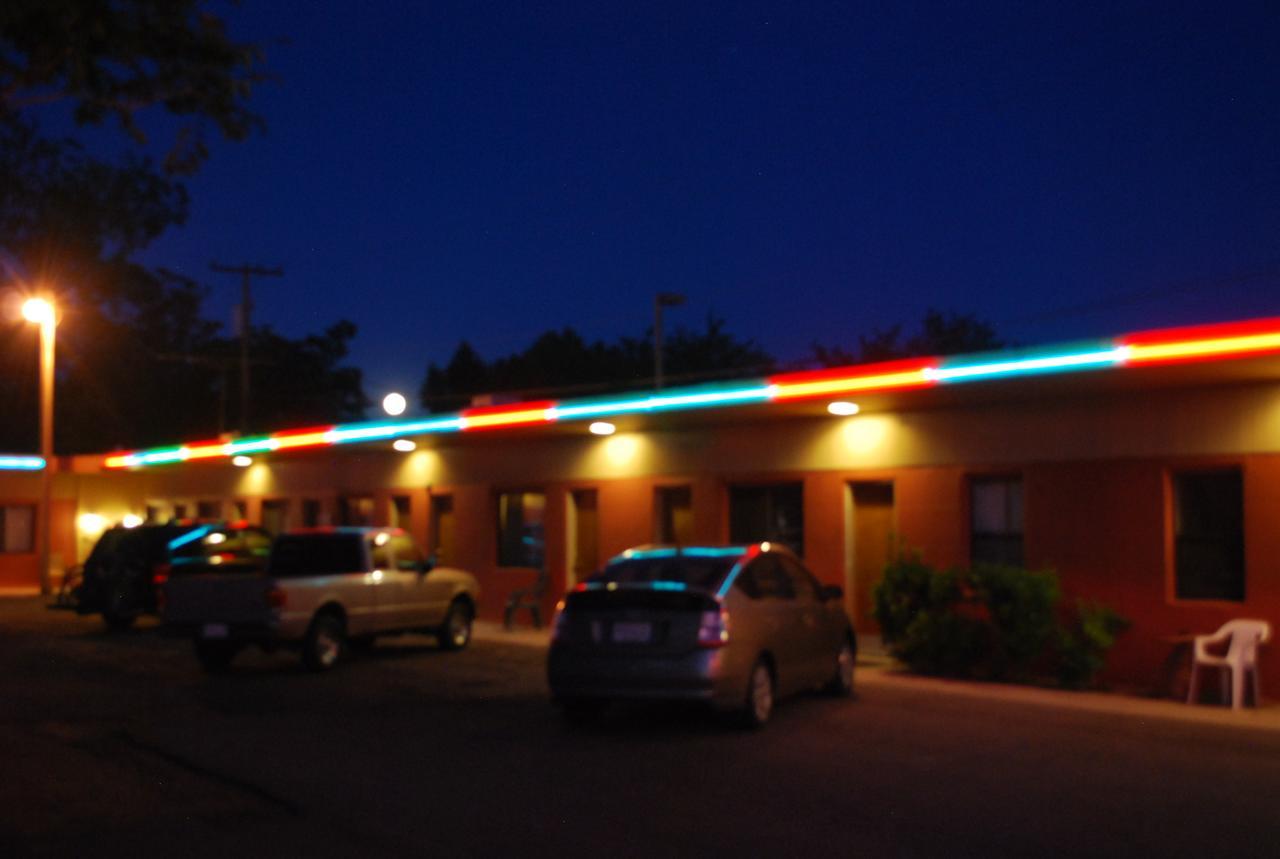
(455, 632)
(215, 656)
(324, 642)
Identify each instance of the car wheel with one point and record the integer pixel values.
(758, 706)
(841, 683)
(215, 656)
(455, 632)
(323, 645)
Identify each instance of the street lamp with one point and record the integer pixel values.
(41, 312)
(661, 300)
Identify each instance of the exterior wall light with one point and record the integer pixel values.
(131, 520)
(602, 428)
(91, 524)
(843, 408)
(241, 461)
(405, 445)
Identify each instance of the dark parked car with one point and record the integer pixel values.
(734, 626)
(122, 575)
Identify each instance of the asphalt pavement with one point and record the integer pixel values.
(118, 745)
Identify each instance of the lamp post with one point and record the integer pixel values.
(42, 312)
(661, 300)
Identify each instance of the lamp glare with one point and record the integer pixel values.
(843, 408)
(602, 428)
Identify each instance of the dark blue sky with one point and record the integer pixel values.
(809, 171)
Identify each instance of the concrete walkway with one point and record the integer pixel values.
(877, 669)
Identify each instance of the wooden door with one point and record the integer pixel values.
(586, 534)
(872, 545)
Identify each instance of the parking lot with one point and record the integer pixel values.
(116, 744)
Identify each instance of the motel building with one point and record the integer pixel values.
(1144, 469)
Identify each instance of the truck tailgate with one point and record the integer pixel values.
(229, 598)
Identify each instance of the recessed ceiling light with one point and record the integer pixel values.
(404, 445)
(843, 408)
(602, 428)
(241, 461)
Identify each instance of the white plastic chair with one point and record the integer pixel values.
(1241, 656)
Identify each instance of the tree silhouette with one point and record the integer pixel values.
(940, 333)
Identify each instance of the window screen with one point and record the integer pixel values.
(995, 521)
(1209, 534)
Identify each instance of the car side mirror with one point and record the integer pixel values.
(832, 592)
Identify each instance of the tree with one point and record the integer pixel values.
(561, 363)
(940, 333)
(137, 363)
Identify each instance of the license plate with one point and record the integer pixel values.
(214, 630)
(632, 632)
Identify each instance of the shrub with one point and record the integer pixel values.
(991, 621)
(1020, 607)
(1083, 643)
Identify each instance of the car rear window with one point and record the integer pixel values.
(147, 544)
(316, 555)
(702, 573)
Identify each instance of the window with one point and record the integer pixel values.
(409, 557)
(17, 528)
(774, 512)
(356, 510)
(802, 581)
(673, 515)
(995, 521)
(380, 552)
(1208, 513)
(208, 509)
(764, 578)
(520, 542)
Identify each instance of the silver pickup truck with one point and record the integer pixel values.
(323, 588)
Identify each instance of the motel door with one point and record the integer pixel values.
(586, 534)
(442, 536)
(872, 535)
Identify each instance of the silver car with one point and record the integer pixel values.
(735, 626)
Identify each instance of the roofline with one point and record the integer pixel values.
(1199, 344)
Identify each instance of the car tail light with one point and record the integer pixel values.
(160, 574)
(713, 629)
(559, 623)
(276, 598)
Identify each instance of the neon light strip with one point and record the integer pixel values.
(1077, 361)
(1203, 343)
(15, 462)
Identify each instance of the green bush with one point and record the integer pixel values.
(1083, 643)
(991, 621)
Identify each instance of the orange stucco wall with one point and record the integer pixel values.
(1095, 472)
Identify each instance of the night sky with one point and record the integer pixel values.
(808, 171)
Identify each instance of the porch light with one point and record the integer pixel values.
(602, 428)
(241, 461)
(405, 445)
(843, 408)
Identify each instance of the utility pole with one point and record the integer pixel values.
(661, 300)
(246, 305)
